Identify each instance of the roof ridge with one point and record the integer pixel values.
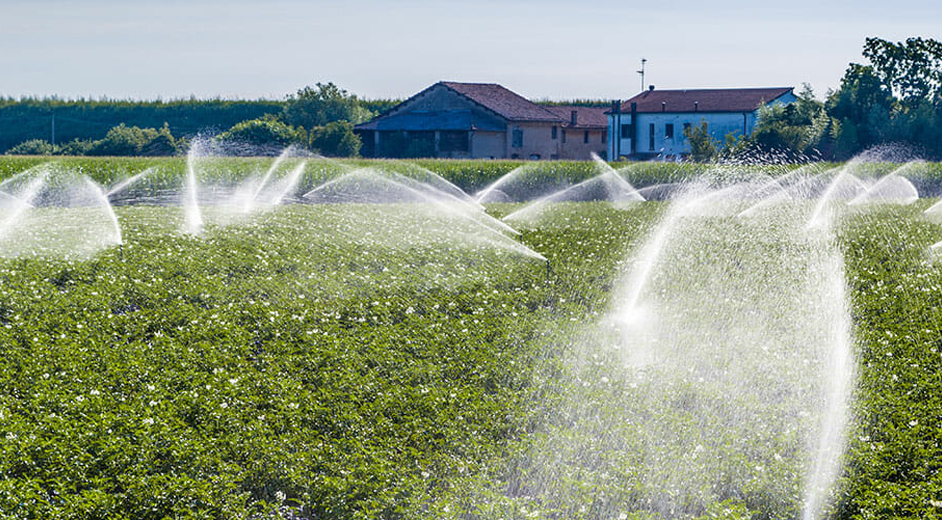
(508, 116)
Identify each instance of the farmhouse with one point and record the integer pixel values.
(652, 124)
(482, 121)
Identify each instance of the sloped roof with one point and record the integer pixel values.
(503, 102)
(586, 117)
(704, 100)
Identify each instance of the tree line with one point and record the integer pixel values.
(318, 118)
(896, 97)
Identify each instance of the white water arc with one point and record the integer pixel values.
(741, 328)
(126, 183)
(832, 433)
(427, 177)
(607, 186)
(192, 217)
(439, 212)
(801, 183)
(271, 170)
(490, 192)
(844, 185)
(102, 199)
(891, 189)
(15, 206)
(281, 190)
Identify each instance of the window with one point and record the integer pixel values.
(585, 137)
(686, 129)
(651, 136)
(517, 141)
(626, 131)
(564, 135)
(534, 157)
(604, 136)
(669, 131)
(555, 130)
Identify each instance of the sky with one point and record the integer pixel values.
(549, 49)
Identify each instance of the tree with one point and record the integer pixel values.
(912, 70)
(896, 98)
(76, 147)
(120, 140)
(130, 140)
(265, 135)
(336, 140)
(797, 131)
(32, 147)
(702, 144)
(316, 106)
(159, 142)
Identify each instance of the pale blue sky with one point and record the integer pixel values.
(146, 49)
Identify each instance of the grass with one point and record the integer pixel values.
(360, 362)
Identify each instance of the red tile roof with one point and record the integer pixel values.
(507, 104)
(586, 117)
(704, 100)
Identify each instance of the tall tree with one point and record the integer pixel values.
(911, 69)
(316, 106)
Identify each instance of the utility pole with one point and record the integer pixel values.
(643, 61)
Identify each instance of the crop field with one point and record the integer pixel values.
(367, 360)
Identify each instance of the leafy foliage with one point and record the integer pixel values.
(123, 140)
(266, 134)
(326, 103)
(336, 139)
(798, 130)
(896, 448)
(32, 147)
(290, 367)
(702, 144)
(90, 120)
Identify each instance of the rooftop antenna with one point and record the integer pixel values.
(643, 61)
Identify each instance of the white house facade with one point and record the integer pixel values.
(651, 124)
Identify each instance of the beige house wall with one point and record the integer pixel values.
(574, 147)
(488, 145)
(538, 141)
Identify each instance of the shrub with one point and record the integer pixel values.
(702, 144)
(126, 141)
(32, 147)
(312, 107)
(263, 135)
(76, 147)
(336, 140)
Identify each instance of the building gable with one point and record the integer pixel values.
(437, 108)
(502, 101)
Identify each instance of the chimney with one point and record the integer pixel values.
(573, 117)
(651, 88)
(696, 106)
(663, 106)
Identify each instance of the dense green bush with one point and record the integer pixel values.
(265, 135)
(132, 141)
(326, 103)
(336, 139)
(33, 147)
(119, 141)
